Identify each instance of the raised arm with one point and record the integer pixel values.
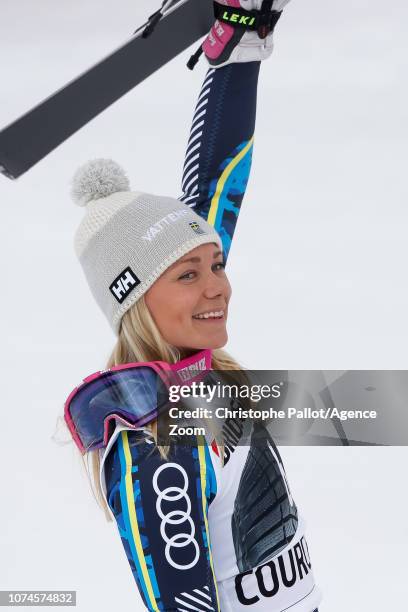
(219, 150)
(161, 511)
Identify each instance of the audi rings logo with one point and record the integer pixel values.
(176, 517)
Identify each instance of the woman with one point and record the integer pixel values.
(204, 526)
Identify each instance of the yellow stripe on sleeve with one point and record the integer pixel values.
(133, 522)
(212, 215)
(203, 476)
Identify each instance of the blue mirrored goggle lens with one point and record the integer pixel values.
(134, 394)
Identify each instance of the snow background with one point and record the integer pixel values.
(317, 273)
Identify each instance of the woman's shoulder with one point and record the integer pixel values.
(187, 463)
(143, 443)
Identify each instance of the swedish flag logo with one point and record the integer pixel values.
(194, 226)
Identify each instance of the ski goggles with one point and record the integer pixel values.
(132, 393)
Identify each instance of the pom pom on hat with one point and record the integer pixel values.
(96, 179)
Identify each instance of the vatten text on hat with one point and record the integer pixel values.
(161, 225)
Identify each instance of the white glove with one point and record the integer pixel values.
(227, 43)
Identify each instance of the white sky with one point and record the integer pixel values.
(317, 269)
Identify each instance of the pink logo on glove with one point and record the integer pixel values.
(216, 41)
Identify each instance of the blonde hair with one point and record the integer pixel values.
(140, 340)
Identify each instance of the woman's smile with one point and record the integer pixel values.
(217, 315)
(189, 302)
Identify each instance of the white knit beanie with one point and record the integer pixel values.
(128, 239)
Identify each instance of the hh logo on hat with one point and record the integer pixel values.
(124, 284)
(194, 226)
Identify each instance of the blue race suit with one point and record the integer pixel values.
(199, 534)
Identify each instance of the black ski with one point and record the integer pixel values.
(30, 138)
